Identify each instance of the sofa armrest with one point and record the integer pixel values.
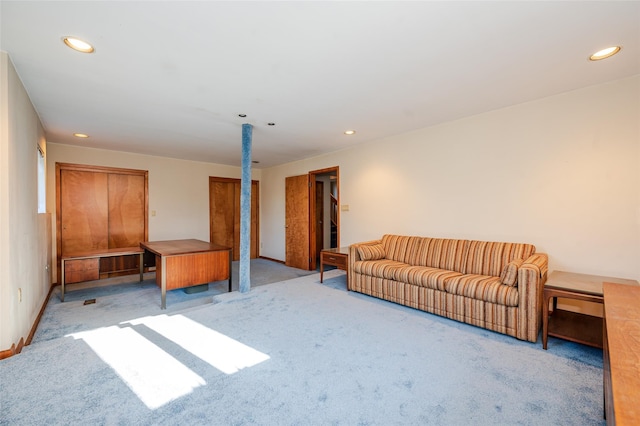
(354, 256)
(532, 276)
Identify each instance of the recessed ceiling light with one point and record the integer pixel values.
(605, 53)
(349, 132)
(242, 115)
(81, 135)
(271, 124)
(255, 162)
(77, 44)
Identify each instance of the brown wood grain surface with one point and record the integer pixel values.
(84, 211)
(297, 221)
(224, 214)
(622, 311)
(126, 210)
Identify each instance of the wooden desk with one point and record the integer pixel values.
(74, 263)
(338, 257)
(186, 263)
(622, 354)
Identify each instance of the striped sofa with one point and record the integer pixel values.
(494, 285)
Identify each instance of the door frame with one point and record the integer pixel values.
(313, 254)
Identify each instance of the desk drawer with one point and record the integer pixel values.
(335, 260)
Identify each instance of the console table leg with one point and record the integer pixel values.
(141, 265)
(163, 282)
(230, 265)
(62, 279)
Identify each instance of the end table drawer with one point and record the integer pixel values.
(335, 260)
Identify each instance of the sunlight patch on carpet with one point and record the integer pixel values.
(152, 374)
(216, 349)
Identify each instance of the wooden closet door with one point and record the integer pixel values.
(222, 226)
(126, 210)
(84, 211)
(224, 214)
(297, 241)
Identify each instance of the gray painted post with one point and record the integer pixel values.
(245, 210)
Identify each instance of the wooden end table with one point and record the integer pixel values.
(338, 257)
(573, 326)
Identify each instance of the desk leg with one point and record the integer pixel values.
(141, 266)
(163, 281)
(230, 270)
(321, 268)
(62, 279)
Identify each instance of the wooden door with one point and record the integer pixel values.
(297, 229)
(126, 210)
(224, 215)
(83, 212)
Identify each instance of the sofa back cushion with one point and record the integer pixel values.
(491, 258)
(399, 247)
(440, 253)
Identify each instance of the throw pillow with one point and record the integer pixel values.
(509, 275)
(371, 252)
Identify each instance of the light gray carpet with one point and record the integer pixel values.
(123, 298)
(299, 352)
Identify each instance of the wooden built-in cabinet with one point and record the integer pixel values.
(99, 208)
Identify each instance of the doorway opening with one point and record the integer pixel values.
(325, 212)
(312, 216)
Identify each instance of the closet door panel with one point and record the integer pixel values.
(224, 214)
(127, 210)
(84, 211)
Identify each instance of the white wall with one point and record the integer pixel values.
(561, 172)
(178, 189)
(24, 277)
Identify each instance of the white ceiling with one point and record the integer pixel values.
(170, 78)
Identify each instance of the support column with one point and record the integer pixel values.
(245, 210)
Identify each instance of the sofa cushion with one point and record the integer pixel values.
(509, 274)
(483, 287)
(399, 247)
(371, 251)
(424, 276)
(383, 268)
(440, 253)
(490, 258)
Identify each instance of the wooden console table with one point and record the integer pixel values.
(84, 266)
(622, 354)
(573, 326)
(187, 263)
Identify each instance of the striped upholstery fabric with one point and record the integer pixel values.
(500, 318)
(423, 276)
(483, 287)
(383, 268)
(509, 274)
(371, 251)
(490, 258)
(457, 279)
(399, 248)
(440, 253)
